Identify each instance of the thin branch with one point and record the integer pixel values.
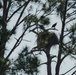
(71, 20)
(68, 42)
(64, 57)
(45, 13)
(43, 63)
(71, 6)
(35, 50)
(9, 5)
(69, 70)
(74, 73)
(54, 61)
(17, 10)
(23, 19)
(26, 40)
(66, 34)
(22, 13)
(73, 57)
(19, 18)
(34, 32)
(71, 14)
(18, 42)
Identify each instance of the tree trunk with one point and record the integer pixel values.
(49, 65)
(61, 36)
(48, 62)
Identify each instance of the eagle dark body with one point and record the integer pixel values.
(54, 24)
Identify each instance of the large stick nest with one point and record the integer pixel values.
(47, 39)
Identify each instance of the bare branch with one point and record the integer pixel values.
(22, 13)
(69, 70)
(9, 5)
(68, 42)
(26, 40)
(71, 6)
(64, 57)
(66, 34)
(74, 72)
(23, 19)
(71, 14)
(71, 20)
(73, 57)
(25, 4)
(43, 63)
(19, 18)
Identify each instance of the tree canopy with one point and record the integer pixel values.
(35, 16)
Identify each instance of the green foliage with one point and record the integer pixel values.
(29, 64)
(44, 20)
(1, 61)
(59, 8)
(45, 9)
(6, 65)
(73, 34)
(26, 61)
(32, 18)
(32, 64)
